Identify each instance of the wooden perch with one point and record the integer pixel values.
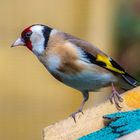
(91, 120)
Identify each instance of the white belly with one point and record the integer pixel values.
(87, 80)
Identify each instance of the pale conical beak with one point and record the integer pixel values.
(18, 42)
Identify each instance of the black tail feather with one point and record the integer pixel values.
(130, 80)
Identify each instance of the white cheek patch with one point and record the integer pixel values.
(37, 40)
(54, 62)
(37, 43)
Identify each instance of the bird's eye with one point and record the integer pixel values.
(28, 34)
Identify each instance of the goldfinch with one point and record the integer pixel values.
(75, 62)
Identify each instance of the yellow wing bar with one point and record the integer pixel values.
(108, 64)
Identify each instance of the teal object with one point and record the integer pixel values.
(125, 122)
(121, 123)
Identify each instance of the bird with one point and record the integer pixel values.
(76, 62)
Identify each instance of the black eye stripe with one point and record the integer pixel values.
(46, 34)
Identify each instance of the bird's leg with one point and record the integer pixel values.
(85, 96)
(116, 97)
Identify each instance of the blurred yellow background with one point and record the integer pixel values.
(30, 98)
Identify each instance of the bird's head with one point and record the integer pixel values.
(34, 37)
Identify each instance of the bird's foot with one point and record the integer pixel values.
(115, 96)
(73, 115)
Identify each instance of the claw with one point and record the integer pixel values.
(118, 106)
(120, 98)
(111, 98)
(116, 98)
(73, 115)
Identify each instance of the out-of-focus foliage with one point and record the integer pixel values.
(128, 35)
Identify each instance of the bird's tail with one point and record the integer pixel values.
(130, 80)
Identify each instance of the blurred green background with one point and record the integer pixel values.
(30, 98)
